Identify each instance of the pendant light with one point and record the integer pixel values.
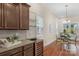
(66, 18)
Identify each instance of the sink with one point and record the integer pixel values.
(10, 44)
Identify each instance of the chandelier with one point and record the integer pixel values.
(66, 17)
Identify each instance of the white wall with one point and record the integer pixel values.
(49, 31)
(50, 27)
(36, 9)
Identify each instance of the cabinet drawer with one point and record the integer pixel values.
(18, 54)
(29, 50)
(11, 52)
(28, 46)
(28, 53)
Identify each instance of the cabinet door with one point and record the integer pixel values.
(29, 50)
(24, 16)
(11, 16)
(18, 54)
(11, 52)
(1, 16)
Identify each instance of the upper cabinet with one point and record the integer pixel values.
(1, 16)
(14, 16)
(11, 16)
(24, 16)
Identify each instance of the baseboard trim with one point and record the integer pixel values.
(50, 44)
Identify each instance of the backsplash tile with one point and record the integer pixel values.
(6, 33)
(23, 34)
(31, 33)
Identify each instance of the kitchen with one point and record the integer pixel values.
(14, 26)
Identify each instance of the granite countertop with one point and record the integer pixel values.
(35, 40)
(24, 42)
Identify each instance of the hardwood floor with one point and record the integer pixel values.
(56, 49)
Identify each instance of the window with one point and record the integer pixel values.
(39, 24)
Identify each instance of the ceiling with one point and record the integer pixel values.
(59, 9)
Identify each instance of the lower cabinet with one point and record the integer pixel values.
(32, 49)
(18, 54)
(26, 50)
(11, 52)
(29, 50)
(29, 53)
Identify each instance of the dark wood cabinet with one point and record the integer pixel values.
(14, 16)
(29, 53)
(11, 16)
(11, 52)
(26, 50)
(29, 50)
(24, 16)
(1, 16)
(18, 54)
